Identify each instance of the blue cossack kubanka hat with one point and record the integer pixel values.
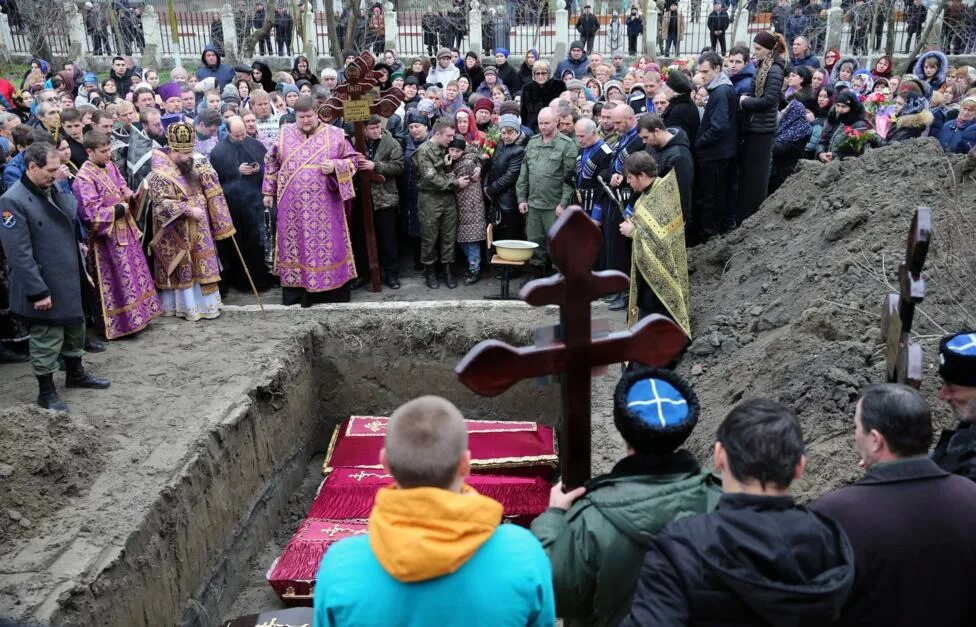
(957, 358)
(655, 410)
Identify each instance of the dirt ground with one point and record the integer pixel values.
(787, 306)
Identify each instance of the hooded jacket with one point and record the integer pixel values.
(742, 82)
(716, 138)
(835, 71)
(434, 557)
(222, 73)
(577, 66)
(938, 80)
(597, 547)
(756, 560)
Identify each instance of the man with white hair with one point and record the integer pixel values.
(434, 545)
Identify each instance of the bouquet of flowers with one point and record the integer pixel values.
(487, 144)
(854, 139)
(880, 107)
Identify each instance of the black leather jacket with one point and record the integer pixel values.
(506, 162)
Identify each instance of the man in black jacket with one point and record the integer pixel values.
(909, 521)
(759, 559)
(715, 148)
(672, 151)
(588, 26)
(718, 23)
(956, 449)
(39, 237)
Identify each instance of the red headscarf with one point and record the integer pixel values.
(472, 134)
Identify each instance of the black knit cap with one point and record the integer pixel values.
(679, 82)
(765, 39)
(630, 418)
(458, 142)
(957, 358)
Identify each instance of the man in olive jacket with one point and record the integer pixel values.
(37, 230)
(384, 157)
(598, 545)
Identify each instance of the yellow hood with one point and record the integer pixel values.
(423, 533)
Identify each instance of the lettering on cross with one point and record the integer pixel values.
(492, 366)
(903, 357)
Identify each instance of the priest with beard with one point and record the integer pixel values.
(239, 163)
(189, 216)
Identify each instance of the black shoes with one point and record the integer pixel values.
(392, 281)
(430, 277)
(8, 356)
(78, 377)
(449, 280)
(474, 275)
(94, 346)
(47, 396)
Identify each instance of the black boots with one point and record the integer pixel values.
(392, 281)
(449, 280)
(474, 275)
(8, 356)
(78, 377)
(430, 276)
(47, 396)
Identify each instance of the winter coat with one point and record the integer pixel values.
(718, 21)
(796, 26)
(476, 75)
(676, 155)
(13, 170)
(635, 25)
(938, 80)
(780, 19)
(682, 112)
(793, 125)
(885, 515)
(283, 26)
(484, 90)
(910, 126)
(505, 165)
(536, 97)
(956, 450)
(756, 560)
(442, 76)
(742, 82)
(388, 157)
(471, 225)
(811, 61)
(716, 138)
(666, 18)
(40, 240)
(524, 74)
(588, 24)
(915, 16)
(597, 546)
(835, 129)
(223, 74)
(578, 67)
(958, 140)
(835, 71)
(759, 110)
(510, 76)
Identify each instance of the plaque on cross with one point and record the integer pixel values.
(353, 101)
(903, 357)
(492, 366)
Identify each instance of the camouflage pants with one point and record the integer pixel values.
(537, 227)
(438, 220)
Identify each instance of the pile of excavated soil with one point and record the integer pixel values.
(46, 458)
(788, 306)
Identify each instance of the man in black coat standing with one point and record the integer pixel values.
(588, 26)
(909, 521)
(672, 151)
(715, 147)
(956, 449)
(759, 559)
(37, 230)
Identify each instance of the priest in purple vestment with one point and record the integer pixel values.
(125, 285)
(309, 171)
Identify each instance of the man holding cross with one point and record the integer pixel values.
(309, 171)
(956, 449)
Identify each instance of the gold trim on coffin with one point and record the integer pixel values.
(374, 424)
(502, 462)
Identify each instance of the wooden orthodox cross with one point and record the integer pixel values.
(492, 366)
(352, 101)
(903, 358)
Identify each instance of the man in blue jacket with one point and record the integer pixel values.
(223, 74)
(715, 147)
(577, 62)
(740, 69)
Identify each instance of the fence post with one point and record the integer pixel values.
(835, 25)
(391, 26)
(308, 46)
(474, 28)
(230, 31)
(740, 30)
(560, 47)
(76, 31)
(6, 37)
(153, 34)
(650, 30)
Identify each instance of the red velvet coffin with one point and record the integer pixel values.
(348, 493)
(292, 575)
(498, 447)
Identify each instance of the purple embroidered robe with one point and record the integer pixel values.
(183, 248)
(312, 250)
(128, 296)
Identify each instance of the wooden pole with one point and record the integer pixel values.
(247, 272)
(366, 205)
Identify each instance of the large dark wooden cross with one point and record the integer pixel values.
(903, 357)
(352, 101)
(492, 366)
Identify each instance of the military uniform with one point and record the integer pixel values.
(544, 182)
(387, 155)
(437, 204)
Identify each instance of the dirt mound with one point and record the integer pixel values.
(788, 306)
(46, 459)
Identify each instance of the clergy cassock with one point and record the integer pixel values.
(313, 252)
(592, 162)
(125, 286)
(186, 267)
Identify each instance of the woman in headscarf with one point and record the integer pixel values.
(830, 59)
(261, 74)
(37, 67)
(301, 70)
(525, 72)
(759, 110)
(419, 68)
(912, 117)
(882, 67)
(464, 124)
(847, 116)
(472, 70)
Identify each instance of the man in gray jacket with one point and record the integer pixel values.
(37, 230)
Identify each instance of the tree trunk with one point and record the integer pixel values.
(37, 17)
(252, 39)
(330, 23)
(352, 24)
